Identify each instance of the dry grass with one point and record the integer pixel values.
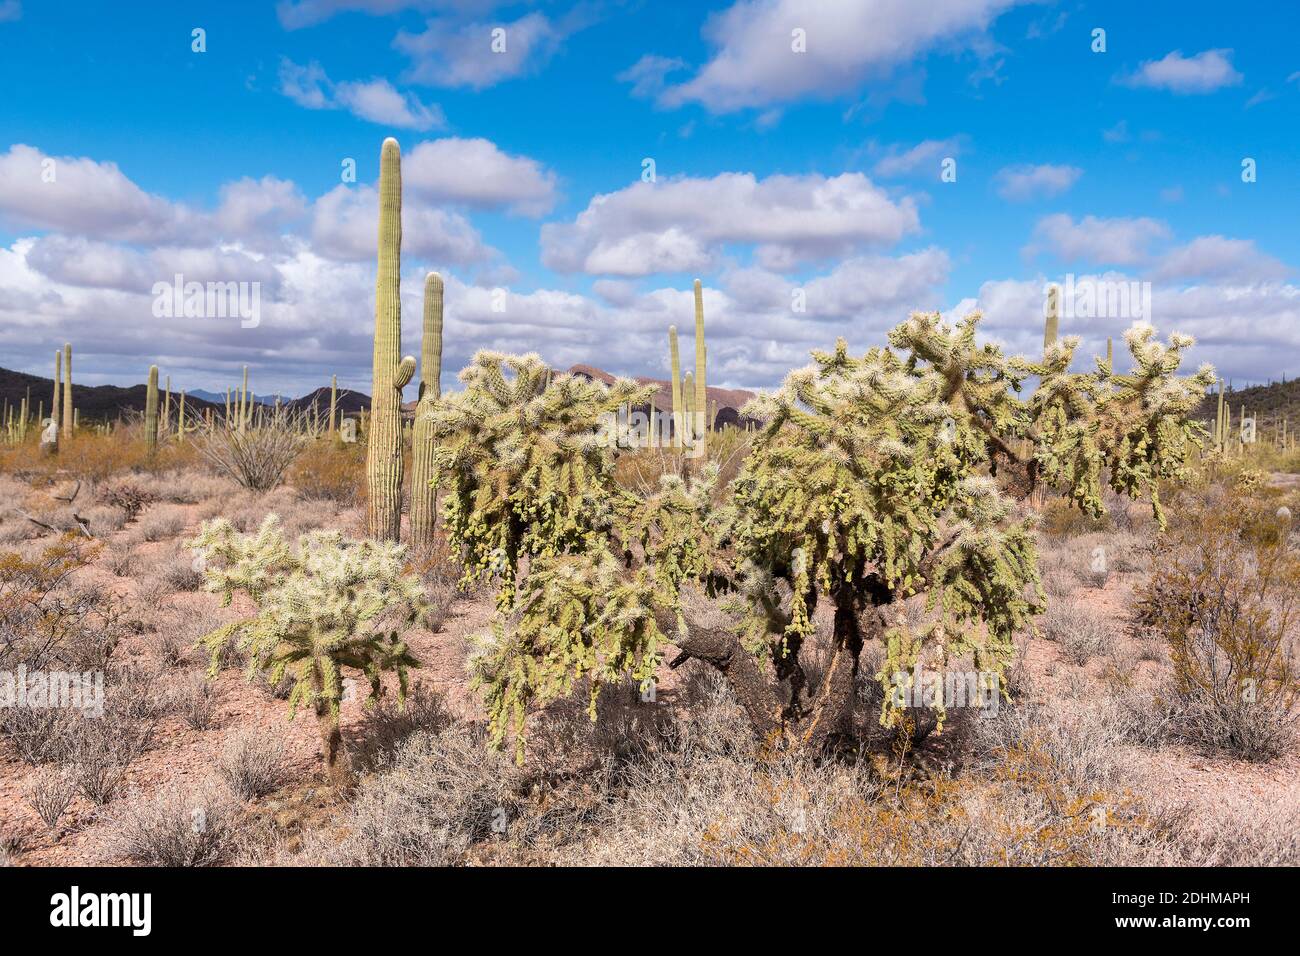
(174, 827)
(252, 765)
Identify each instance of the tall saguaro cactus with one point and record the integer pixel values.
(58, 386)
(679, 410)
(700, 403)
(424, 500)
(1052, 327)
(334, 404)
(67, 390)
(391, 372)
(151, 410)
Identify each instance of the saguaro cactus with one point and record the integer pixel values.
(390, 373)
(700, 403)
(678, 408)
(1052, 326)
(424, 501)
(67, 390)
(151, 410)
(58, 386)
(334, 404)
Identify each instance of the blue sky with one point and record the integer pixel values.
(779, 174)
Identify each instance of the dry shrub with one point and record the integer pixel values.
(160, 524)
(1081, 633)
(50, 792)
(331, 470)
(252, 765)
(123, 561)
(1224, 596)
(101, 751)
(440, 794)
(440, 571)
(128, 495)
(173, 828)
(387, 725)
(1061, 519)
(256, 457)
(196, 702)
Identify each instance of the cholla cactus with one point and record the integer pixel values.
(872, 481)
(325, 605)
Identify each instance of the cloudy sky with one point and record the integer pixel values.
(824, 166)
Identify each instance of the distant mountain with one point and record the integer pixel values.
(106, 402)
(1269, 403)
(219, 398)
(93, 402)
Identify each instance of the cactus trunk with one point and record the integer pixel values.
(334, 403)
(58, 386)
(151, 410)
(678, 408)
(424, 500)
(67, 390)
(391, 372)
(700, 401)
(1053, 324)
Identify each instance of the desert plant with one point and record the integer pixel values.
(173, 828)
(252, 766)
(1224, 596)
(50, 792)
(863, 489)
(195, 700)
(151, 410)
(257, 458)
(700, 402)
(424, 496)
(322, 606)
(384, 463)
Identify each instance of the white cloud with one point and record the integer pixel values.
(475, 172)
(682, 224)
(1216, 257)
(252, 206)
(1203, 73)
(649, 75)
(455, 54)
(848, 42)
(344, 227)
(80, 195)
(1021, 183)
(927, 154)
(1118, 241)
(373, 100)
(296, 14)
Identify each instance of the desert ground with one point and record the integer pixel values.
(1087, 760)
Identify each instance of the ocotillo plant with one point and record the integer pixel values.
(390, 372)
(424, 499)
(1052, 326)
(678, 408)
(151, 410)
(699, 402)
(67, 390)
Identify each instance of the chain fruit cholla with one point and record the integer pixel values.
(327, 604)
(876, 478)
